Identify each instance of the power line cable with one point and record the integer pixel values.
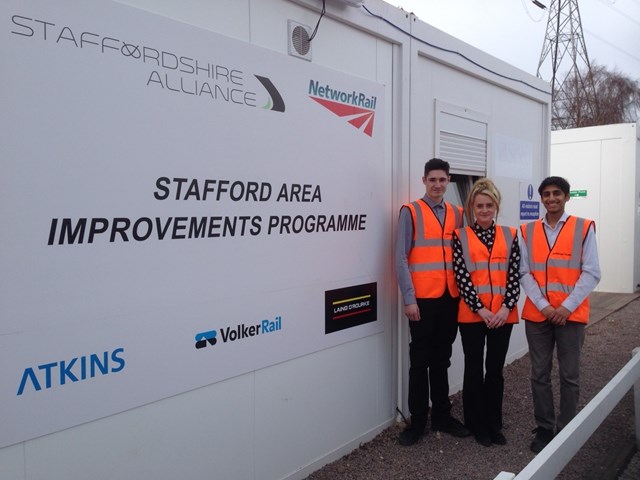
(538, 20)
(619, 12)
(612, 45)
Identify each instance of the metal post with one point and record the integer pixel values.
(636, 398)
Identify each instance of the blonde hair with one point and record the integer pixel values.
(482, 186)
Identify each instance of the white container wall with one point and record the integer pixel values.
(125, 135)
(602, 165)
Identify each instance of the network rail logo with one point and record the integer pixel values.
(359, 108)
(239, 332)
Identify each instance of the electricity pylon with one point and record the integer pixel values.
(573, 90)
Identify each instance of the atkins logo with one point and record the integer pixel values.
(356, 106)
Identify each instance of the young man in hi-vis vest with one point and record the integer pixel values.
(559, 268)
(427, 283)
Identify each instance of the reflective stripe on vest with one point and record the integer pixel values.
(488, 271)
(431, 260)
(556, 270)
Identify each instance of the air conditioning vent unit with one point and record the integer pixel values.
(299, 44)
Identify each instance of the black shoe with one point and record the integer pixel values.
(542, 439)
(410, 435)
(498, 438)
(452, 427)
(483, 439)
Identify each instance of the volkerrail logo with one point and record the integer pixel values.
(357, 106)
(242, 331)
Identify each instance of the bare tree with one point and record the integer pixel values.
(615, 98)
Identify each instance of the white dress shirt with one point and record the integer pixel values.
(589, 276)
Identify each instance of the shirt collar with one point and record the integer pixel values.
(431, 203)
(563, 219)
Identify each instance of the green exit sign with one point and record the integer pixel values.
(578, 193)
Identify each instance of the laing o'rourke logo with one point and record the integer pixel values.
(239, 332)
(350, 306)
(357, 106)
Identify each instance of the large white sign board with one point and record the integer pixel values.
(177, 208)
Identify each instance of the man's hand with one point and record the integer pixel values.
(548, 311)
(557, 316)
(412, 312)
(560, 316)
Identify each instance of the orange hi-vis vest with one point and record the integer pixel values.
(489, 271)
(431, 258)
(556, 270)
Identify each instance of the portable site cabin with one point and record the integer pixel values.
(199, 211)
(602, 165)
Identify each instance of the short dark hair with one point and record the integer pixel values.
(436, 164)
(559, 182)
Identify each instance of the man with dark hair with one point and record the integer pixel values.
(559, 267)
(559, 182)
(427, 283)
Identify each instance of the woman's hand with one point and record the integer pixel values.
(486, 316)
(500, 318)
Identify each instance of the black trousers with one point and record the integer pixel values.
(430, 357)
(483, 386)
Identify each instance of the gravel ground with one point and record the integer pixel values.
(437, 456)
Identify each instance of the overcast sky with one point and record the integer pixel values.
(514, 30)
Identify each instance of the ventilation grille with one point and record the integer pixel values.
(299, 44)
(466, 153)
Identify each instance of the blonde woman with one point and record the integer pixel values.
(486, 259)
